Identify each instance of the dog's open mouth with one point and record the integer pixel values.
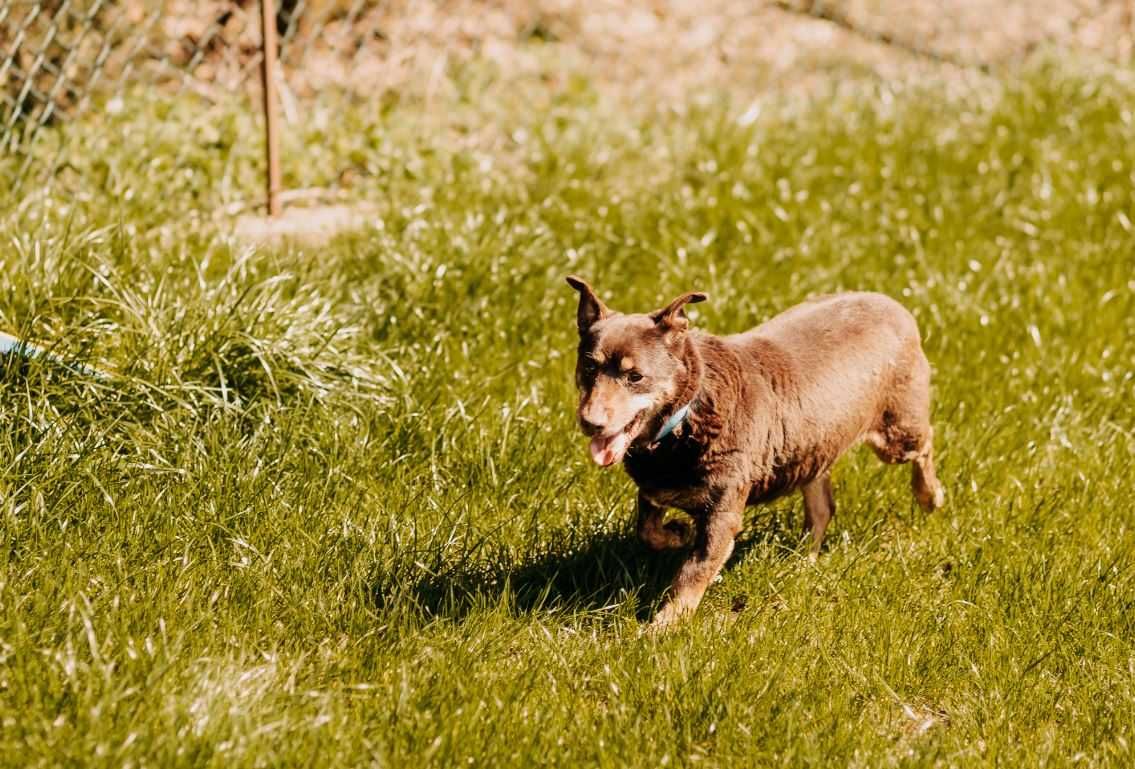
(606, 450)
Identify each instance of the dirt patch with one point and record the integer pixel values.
(308, 224)
(637, 48)
(668, 49)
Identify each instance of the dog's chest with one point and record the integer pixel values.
(674, 478)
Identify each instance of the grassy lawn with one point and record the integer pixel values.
(330, 507)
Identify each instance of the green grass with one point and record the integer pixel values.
(332, 508)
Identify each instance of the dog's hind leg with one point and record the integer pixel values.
(819, 507)
(903, 433)
(923, 480)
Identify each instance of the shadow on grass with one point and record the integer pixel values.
(599, 572)
(769, 528)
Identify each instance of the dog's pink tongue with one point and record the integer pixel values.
(608, 451)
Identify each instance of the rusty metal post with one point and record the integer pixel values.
(271, 117)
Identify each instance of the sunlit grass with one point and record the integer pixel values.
(331, 506)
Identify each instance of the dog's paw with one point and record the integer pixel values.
(672, 535)
(939, 497)
(668, 617)
(931, 499)
(678, 533)
(661, 623)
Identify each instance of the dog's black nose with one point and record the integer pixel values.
(590, 428)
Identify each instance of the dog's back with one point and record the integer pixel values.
(832, 371)
(835, 321)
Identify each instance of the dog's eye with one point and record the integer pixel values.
(589, 368)
(634, 376)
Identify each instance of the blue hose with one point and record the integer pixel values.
(10, 345)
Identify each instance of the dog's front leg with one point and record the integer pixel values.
(713, 545)
(659, 535)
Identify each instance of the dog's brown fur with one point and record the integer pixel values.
(772, 410)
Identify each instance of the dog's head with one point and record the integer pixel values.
(629, 368)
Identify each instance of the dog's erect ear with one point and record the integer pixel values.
(590, 308)
(673, 316)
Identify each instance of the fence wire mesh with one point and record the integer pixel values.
(58, 57)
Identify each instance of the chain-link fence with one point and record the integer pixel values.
(58, 57)
(57, 53)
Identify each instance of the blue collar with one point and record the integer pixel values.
(675, 419)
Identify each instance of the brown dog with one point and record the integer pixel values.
(710, 424)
